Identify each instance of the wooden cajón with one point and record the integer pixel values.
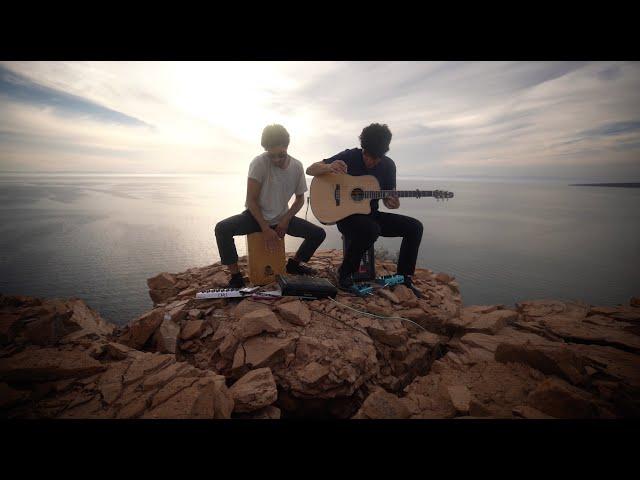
(263, 265)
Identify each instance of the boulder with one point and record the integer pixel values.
(460, 398)
(142, 328)
(492, 322)
(166, 336)
(192, 329)
(295, 312)
(556, 359)
(257, 322)
(557, 398)
(403, 293)
(382, 405)
(161, 281)
(389, 295)
(47, 364)
(255, 390)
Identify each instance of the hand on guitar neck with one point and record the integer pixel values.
(391, 202)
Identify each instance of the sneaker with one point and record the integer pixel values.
(237, 281)
(409, 284)
(297, 268)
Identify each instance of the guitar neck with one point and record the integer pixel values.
(397, 193)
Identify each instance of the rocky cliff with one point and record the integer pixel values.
(285, 358)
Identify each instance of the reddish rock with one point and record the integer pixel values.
(544, 307)
(556, 359)
(295, 312)
(8, 322)
(579, 331)
(267, 413)
(255, 390)
(142, 328)
(260, 352)
(524, 411)
(245, 306)
(443, 278)
(460, 398)
(219, 279)
(313, 373)
(47, 364)
(389, 295)
(403, 293)
(166, 336)
(382, 405)
(393, 337)
(603, 310)
(205, 399)
(492, 322)
(257, 322)
(161, 281)
(557, 398)
(480, 309)
(192, 329)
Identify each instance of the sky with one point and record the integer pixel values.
(538, 119)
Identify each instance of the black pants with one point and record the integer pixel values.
(244, 224)
(363, 230)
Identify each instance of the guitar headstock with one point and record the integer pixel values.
(442, 195)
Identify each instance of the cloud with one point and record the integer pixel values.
(20, 89)
(446, 117)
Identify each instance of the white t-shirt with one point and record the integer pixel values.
(277, 185)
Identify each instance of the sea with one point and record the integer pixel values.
(99, 237)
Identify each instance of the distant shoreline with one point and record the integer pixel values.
(621, 185)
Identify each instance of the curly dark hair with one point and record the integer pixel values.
(375, 139)
(274, 136)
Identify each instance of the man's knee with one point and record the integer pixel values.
(319, 234)
(417, 228)
(222, 229)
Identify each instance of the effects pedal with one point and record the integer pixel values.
(390, 280)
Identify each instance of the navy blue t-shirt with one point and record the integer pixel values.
(384, 171)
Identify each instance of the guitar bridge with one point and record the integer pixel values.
(336, 195)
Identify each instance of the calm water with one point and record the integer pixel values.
(100, 237)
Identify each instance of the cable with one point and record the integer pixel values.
(379, 316)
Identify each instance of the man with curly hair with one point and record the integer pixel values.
(361, 231)
(274, 176)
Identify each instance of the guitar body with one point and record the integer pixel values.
(335, 196)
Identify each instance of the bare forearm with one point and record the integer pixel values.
(255, 210)
(295, 208)
(318, 168)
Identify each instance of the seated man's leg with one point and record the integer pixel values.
(225, 230)
(313, 237)
(410, 229)
(361, 231)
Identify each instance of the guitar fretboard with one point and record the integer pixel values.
(398, 193)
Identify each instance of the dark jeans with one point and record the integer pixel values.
(244, 224)
(363, 230)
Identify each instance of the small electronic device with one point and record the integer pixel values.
(226, 292)
(306, 287)
(362, 289)
(390, 280)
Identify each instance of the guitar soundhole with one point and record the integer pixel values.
(357, 194)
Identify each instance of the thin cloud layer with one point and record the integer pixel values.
(578, 119)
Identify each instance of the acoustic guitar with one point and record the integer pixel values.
(335, 196)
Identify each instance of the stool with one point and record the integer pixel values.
(263, 265)
(367, 268)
